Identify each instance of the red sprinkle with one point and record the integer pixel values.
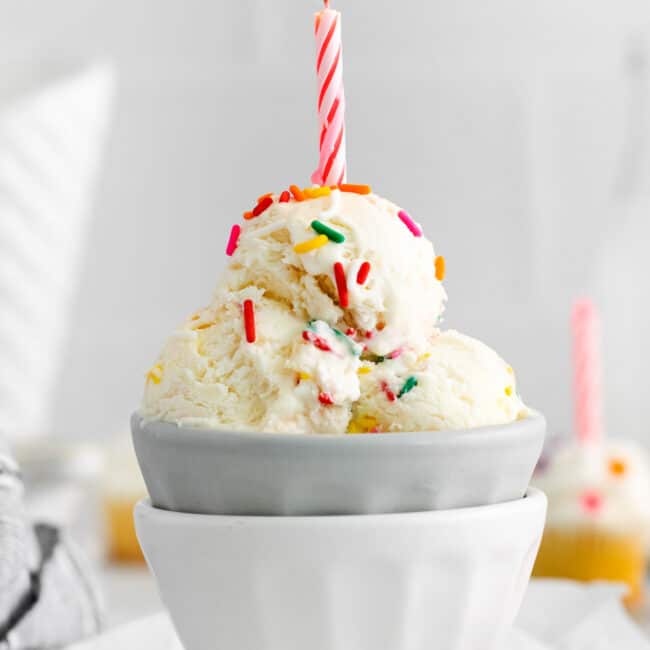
(325, 398)
(362, 275)
(341, 285)
(318, 341)
(233, 239)
(350, 331)
(249, 320)
(591, 501)
(369, 334)
(285, 197)
(262, 205)
(390, 396)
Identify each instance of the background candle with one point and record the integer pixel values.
(331, 99)
(587, 369)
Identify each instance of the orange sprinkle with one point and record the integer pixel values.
(196, 317)
(264, 196)
(297, 193)
(617, 467)
(315, 192)
(248, 215)
(440, 268)
(355, 189)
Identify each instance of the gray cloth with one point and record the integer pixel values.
(46, 597)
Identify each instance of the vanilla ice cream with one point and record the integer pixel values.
(331, 300)
(455, 382)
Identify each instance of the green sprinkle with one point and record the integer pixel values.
(330, 233)
(408, 386)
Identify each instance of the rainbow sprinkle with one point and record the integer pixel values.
(249, 320)
(439, 264)
(233, 239)
(355, 189)
(362, 275)
(508, 390)
(362, 424)
(330, 233)
(264, 204)
(364, 370)
(285, 197)
(297, 193)
(591, 501)
(155, 374)
(318, 341)
(316, 192)
(410, 224)
(617, 466)
(390, 396)
(310, 244)
(341, 285)
(408, 386)
(325, 399)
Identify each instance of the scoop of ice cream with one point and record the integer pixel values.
(597, 484)
(209, 376)
(399, 302)
(455, 382)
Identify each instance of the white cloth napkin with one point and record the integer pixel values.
(47, 598)
(556, 615)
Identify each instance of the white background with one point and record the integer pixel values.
(514, 130)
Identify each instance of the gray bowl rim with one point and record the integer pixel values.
(533, 498)
(526, 427)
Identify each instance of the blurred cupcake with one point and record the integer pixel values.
(598, 521)
(123, 487)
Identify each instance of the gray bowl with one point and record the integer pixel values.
(226, 473)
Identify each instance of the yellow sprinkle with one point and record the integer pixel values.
(203, 326)
(155, 374)
(508, 391)
(510, 370)
(439, 264)
(315, 192)
(304, 376)
(310, 244)
(424, 357)
(196, 317)
(362, 424)
(364, 370)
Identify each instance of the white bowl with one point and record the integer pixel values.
(451, 579)
(227, 473)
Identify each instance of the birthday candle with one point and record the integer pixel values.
(587, 371)
(331, 99)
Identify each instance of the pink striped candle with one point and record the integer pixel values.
(331, 99)
(587, 382)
